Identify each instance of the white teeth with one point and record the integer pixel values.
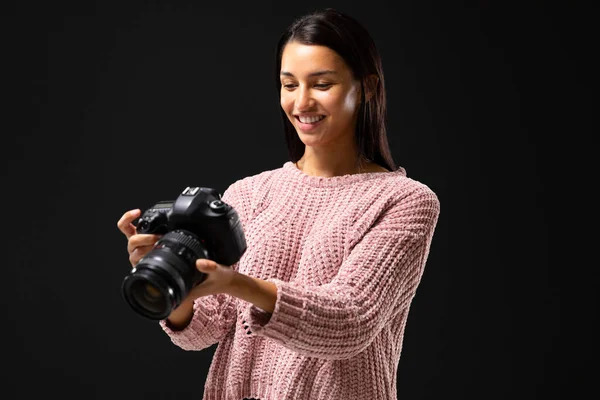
(310, 120)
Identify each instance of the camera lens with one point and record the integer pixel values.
(149, 297)
(162, 279)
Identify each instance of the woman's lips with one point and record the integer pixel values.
(308, 127)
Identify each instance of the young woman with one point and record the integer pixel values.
(337, 239)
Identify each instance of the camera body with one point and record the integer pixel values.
(198, 224)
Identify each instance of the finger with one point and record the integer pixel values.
(136, 254)
(205, 265)
(124, 224)
(141, 240)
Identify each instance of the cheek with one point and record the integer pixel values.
(285, 102)
(327, 101)
(287, 106)
(350, 102)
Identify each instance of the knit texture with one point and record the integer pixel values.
(346, 254)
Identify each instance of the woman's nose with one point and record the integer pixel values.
(304, 99)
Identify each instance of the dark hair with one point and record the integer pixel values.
(348, 38)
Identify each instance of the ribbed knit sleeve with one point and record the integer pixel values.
(376, 281)
(214, 315)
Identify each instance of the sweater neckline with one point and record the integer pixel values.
(340, 180)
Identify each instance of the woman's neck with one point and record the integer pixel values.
(331, 164)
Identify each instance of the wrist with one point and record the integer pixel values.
(234, 285)
(261, 293)
(181, 316)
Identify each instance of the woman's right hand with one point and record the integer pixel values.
(138, 245)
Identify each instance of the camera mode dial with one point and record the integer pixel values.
(218, 206)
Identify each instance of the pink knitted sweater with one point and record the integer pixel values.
(346, 254)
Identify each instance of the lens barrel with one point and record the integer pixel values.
(162, 278)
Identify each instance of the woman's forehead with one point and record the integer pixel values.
(310, 59)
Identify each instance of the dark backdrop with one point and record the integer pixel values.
(116, 105)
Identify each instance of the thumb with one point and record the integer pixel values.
(204, 265)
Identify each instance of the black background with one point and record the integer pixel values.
(116, 105)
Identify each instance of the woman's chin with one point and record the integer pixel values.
(309, 141)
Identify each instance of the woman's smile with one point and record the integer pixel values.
(309, 123)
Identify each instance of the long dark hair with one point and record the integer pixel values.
(347, 37)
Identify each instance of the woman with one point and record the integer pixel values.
(337, 239)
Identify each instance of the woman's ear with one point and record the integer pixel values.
(370, 86)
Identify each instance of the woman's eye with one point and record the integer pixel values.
(320, 86)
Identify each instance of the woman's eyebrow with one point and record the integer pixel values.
(317, 73)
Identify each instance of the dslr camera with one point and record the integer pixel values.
(198, 224)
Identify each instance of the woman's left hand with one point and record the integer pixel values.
(218, 279)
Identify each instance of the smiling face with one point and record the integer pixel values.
(319, 95)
